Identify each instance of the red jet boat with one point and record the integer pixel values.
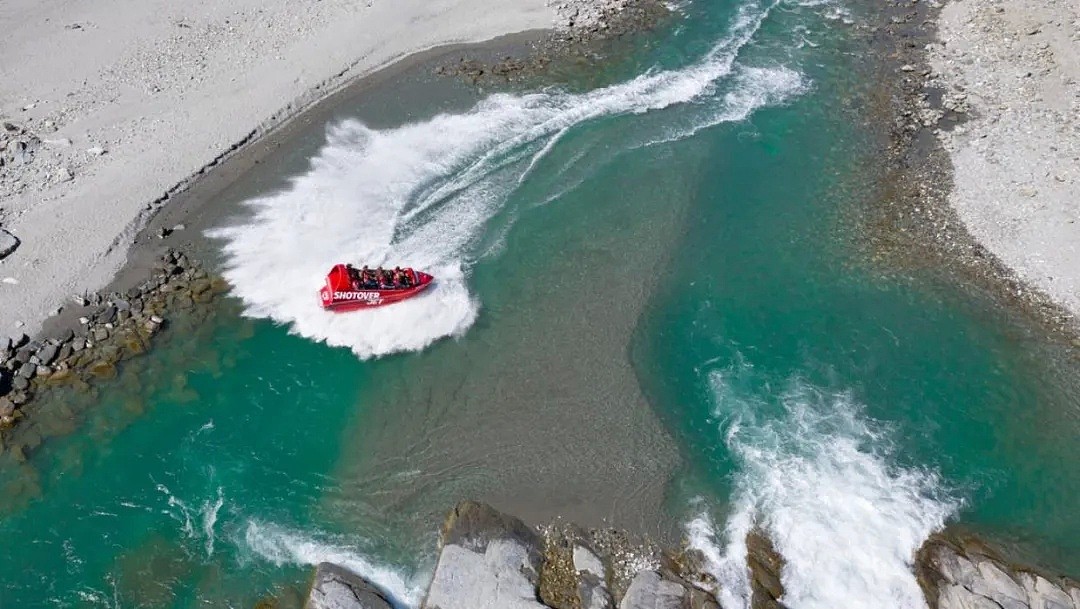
(343, 292)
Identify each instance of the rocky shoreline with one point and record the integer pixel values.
(99, 332)
(491, 559)
(587, 32)
(120, 325)
(918, 225)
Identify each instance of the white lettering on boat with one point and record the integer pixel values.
(368, 296)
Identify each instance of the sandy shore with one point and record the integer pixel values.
(123, 105)
(1012, 69)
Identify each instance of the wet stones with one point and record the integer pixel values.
(765, 565)
(116, 326)
(490, 559)
(586, 30)
(47, 354)
(103, 370)
(107, 315)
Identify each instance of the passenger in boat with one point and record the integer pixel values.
(354, 276)
(387, 277)
(406, 282)
(367, 278)
(398, 283)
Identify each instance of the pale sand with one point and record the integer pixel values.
(166, 88)
(1017, 161)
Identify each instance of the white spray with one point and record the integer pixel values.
(422, 193)
(821, 480)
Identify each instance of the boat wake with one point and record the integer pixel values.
(422, 194)
(821, 480)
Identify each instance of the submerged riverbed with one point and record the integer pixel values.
(651, 313)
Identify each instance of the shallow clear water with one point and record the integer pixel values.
(704, 349)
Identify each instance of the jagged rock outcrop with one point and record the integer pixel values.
(967, 574)
(488, 559)
(765, 565)
(592, 576)
(335, 587)
(650, 591)
(656, 590)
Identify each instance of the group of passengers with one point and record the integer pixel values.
(378, 279)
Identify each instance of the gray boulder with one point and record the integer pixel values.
(650, 591)
(966, 574)
(1041, 593)
(21, 151)
(953, 596)
(8, 243)
(337, 588)
(765, 565)
(47, 354)
(488, 559)
(592, 593)
(592, 579)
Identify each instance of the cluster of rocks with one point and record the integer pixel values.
(968, 574)
(1012, 68)
(593, 18)
(113, 327)
(491, 559)
(916, 225)
(585, 29)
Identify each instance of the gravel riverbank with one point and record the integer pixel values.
(1013, 69)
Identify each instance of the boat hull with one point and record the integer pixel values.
(345, 300)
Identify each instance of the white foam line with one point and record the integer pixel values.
(282, 546)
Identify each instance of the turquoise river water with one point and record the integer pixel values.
(651, 311)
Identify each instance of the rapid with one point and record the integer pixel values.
(651, 307)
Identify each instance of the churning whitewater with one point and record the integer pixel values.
(281, 546)
(422, 194)
(820, 479)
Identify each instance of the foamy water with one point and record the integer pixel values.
(283, 546)
(421, 194)
(821, 480)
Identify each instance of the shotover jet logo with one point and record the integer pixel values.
(370, 296)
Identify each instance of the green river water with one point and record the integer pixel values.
(651, 312)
